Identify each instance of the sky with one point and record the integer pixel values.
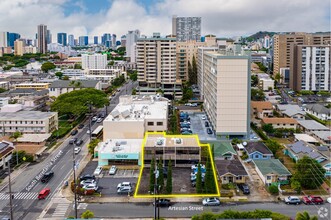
(224, 18)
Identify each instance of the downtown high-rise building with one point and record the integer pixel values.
(130, 43)
(12, 37)
(186, 28)
(95, 40)
(83, 40)
(113, 41)
(3, 39)
(106, 37)
(49, 37)
(62, 39)
(71, 40)
(42, 38)
(19, 45)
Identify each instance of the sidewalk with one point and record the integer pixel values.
(13, 175)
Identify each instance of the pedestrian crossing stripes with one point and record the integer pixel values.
(19, 195)
(61, 209)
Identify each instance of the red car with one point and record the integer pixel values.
(44, 193)
(309, 200)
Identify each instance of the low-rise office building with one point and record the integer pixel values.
(35, 86)
(135, 115)
(28, 122)
(265, 82)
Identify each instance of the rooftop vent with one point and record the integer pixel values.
(159, 141)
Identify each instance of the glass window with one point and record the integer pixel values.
(150, 123)
(159, 123)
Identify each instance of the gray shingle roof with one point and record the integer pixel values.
(291, 110)
(73, 84)
(257, 146)
(301, 148)
(320, 109)
(230, 166)
(25, 115)
(312, 125)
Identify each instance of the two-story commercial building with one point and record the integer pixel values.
(59, 87)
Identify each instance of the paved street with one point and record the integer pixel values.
(141, 210)
(27, 185)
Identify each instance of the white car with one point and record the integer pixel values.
(88, 131)
(91, 187)
(195, 166)
(203, 117)
(188, 104)
(112, 170)
(98, 170)
(124, 184)
(87, 182)
(77, 150)
(211, 201)
(94, 118)
(99, 120)
(328, 200)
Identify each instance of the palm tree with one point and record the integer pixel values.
(305, 216)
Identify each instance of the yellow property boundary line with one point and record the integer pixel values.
(176, 195)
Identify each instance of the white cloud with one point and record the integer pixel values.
(221, 17)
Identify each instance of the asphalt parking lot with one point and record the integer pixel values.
(198, 127)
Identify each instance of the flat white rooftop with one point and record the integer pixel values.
(114, 146)
(139, 108)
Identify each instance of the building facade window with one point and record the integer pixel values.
(150, 123)
(159, 123)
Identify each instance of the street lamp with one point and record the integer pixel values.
(75, 187)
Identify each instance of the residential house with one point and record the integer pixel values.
(300, 149)
(262, 109)
(6, 151)
(272, 171)
(289, 123)
(231, 171)
(305, 138)
(223, 151)
(33, 144)
(318, 111)
(59, 87)
(292, 111)
(323, 136)
(308, 126)
(258, 151)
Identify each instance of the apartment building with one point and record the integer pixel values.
(156, 66)
(42, 38)
(19, 45)
(104, 75)
(28, 122)
(310, 68)
(94, 61)
(135, 115)
(186, 28)
(130, 43)
(283, 43)
(265, 82)
(225, 84)
(35, 86)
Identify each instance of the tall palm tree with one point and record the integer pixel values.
(305, 216)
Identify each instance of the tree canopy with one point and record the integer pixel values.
(47, 66)
(309, 173)
(76, 102)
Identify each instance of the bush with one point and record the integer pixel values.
(273, 189)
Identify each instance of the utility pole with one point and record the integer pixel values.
(10, 194)
(75, 187)
(89, 124)
(155, 184)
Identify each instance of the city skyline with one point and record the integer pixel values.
(235, 18)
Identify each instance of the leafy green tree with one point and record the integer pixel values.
(209, 178)
(305, 216)
(187, 92)
(296, 185)
(278, 77)
(273, 189)
(76, 102)
(2, 90)
(194, 71)
(190, 72)
(134, 76)
(160, 179)
(199, 180)
(169, 179)
(92, 145)
(273, 145)
(47, 66)
(59, 75)
(16, 135)
(152, 175)
(134, 92)
(77, 66)
(65, 78)
(254, 80)
(309, 173)
(87, 214)
(268, 128)
(257, 95)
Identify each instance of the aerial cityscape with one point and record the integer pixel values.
(165, 109)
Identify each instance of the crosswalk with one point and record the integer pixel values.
(61, 209)
(19, 195)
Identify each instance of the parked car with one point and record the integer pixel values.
(77, 150)
(125, 190)
(292, 200)
(87, 177)
(47, 176)
(186, 132)
(312, 200)
(99, 120)
(74, 132)
(328, 200)
(194, 177)
(87, 182)
(195, 166)
(211, 202)
(98, 170)
(185, 126)
(194, 105)
(81, 126)
(112, 170)
(244, 188)
(88, 131)
(195, 170)
(188, 104)
(79, 142)
(123, 184)
(72, 141)
(162, 203)
(209, 131)
(91, 187)
(206, 124)
(203, 117)
(95, 118)
(44, 193)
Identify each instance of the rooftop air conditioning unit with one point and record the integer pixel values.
(178, 141)
(159, 142)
